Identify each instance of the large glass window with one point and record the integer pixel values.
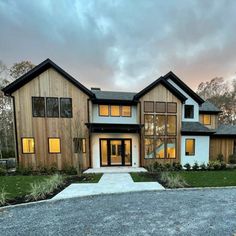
(149, 125)
(148, 107)
(38, 106)
(171, 147)
(126, 111)
(115, 110)
(54, 145)
(171, 125)
(190, 147)
(66, 107)
(160, 148)
(52, 107)
(206, 119)
(160, 124)
(28, 145)
(188, 111)
(103, 110)
(149, 148)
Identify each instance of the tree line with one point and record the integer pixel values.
(218, 91)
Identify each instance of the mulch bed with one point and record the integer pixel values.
(69, 180)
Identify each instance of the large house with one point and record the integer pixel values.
(59, 122)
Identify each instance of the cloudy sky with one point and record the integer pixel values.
(126, 44)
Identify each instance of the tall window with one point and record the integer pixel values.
(103, 110)
(188, 111)
(206, 119)
(54, 145)
(28, 146)
(115, 110)
(79, 145)
(52, 107)
(66, 107)
(38, 106)
(160, 130)
(190, 147)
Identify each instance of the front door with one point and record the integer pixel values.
(115, 152)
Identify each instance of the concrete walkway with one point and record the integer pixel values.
(114, 169)
(109, 183)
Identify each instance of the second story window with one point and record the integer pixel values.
(66, 107)
(114, 110)
(38, 106)
(103, 110)
(188, 111)
(52, 107)
(126, 111)
(206, 119)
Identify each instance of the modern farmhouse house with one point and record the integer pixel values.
(59, 122)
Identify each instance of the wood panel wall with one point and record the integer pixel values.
(161, 94)
(221, 145)
(214, 121)
(51, 84)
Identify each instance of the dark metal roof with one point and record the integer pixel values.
(183, 86)
(111, 95)
(208, 107)
(37, 70)
(166, 84)
(113, 128)
(226, 130)
(195, 128)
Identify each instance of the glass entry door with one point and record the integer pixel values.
(115, 152)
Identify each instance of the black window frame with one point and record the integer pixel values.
(64, 98)
(49, 145)
(188, 105)
(75, 148)
(99, 113)
(33, 106)
(194, 147)
(27, 153)
(49, 116)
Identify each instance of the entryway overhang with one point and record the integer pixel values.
(113, 128)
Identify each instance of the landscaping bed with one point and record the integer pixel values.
(20, 189)
(201, 178)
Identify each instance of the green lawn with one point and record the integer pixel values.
(196, 178)
(17, 186)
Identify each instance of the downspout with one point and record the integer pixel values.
(89, 138)
(140, 136)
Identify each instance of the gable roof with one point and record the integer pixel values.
(37, 70)
(183, 86)
(226, 130)
(208, 107)
(166, 84)
(195, 128)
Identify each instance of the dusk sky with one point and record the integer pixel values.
(123, 45)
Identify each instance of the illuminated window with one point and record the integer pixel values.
(103, 110)
(54, 145)
(79, 145)
(170, 147)
(190, 147)
(115, 110)
(27, 145)
(171, 125)
(160, 148)
(126, 111)
(149, 148)
(160, 124)
(206, 119)
(149, 124)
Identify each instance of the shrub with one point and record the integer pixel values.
(223, 166)
(203, 166)
(70, 170)
(216, 165)
(187, 166)
(210, 165)
(220, 157)
(177, 166)
(167, 166)
(173, 181)
(195, 166)
(2, 171)
(24, 170)
(41, 189)
(232, 159)
(3, 196)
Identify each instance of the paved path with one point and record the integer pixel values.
(159, 213)
(109, 183)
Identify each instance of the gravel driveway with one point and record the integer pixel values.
(198, 212)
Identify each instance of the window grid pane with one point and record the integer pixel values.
(28, 145)
(38, 106)
(149, 148)
(206, 119)
(190, 147)
(52, 107)
(149, 124)
(126, 111)
(66, 107)
(160, 107)
(54, 145)
(103, 110)
(115, 110)
(171, 107)
(148, 107)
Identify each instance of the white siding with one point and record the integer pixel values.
(189, 101)
(201, 150)
(114, 120)
(96, 152)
